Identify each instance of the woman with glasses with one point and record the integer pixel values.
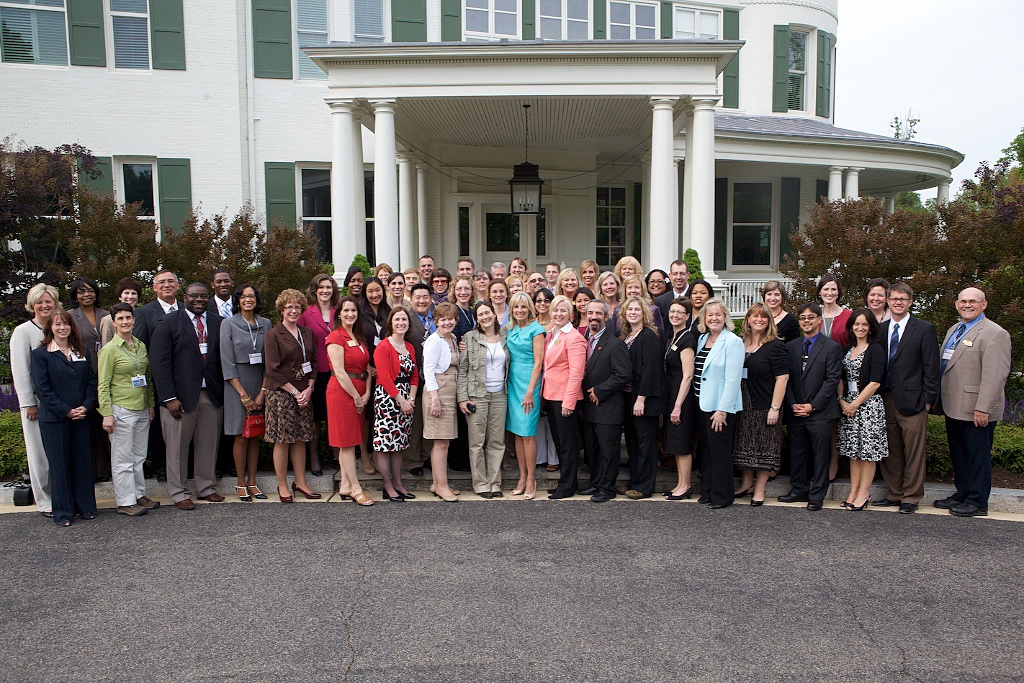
(657, 283)
(547, 452)
(440, 282)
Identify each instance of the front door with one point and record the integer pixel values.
(506, 236)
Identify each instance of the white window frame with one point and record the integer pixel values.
(112, 56)
(490, 35)
(63, 10)
(627, 234)
(633, 4)
(385, 18)
(805, 74)
(303, 218)
(774, 240)
(564, 20)
(698, 10)
(299, 32)
(119, 189)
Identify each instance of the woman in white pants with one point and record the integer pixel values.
(41, 302)
(125, 389)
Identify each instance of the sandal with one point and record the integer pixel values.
(362, 499)
(552, 468)
(255, 492)
(507, 466)
(243, 493)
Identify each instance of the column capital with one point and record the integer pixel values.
(421, 167)
(341, 105)
(854, 169)
(663, 102)
(383, 105)
(836, 169)
(704, 102)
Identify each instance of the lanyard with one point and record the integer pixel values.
(302, 346)
(253, 334)
(138, 370)
(675, 341)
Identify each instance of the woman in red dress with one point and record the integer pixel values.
(348, 394)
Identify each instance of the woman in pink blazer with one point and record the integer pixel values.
(565, 360)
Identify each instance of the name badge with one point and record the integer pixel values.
(851, 387)
(76, 358)
(947, 354)
(744, 373)
(202, 348)
(307, 368)
(674, 348)
(352, 342)
(967, 342)
(255, 358)
(139, 381)
(376, 341)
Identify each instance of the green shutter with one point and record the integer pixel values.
(789, 214)
(167, 34)
(821, 191)
(721, 225)
(780, 90)
(529, 19)
(823, 101)
(451, 20)
(600, 19)
(666, 20)
(409, 21)
(102, 184)
(85, 33)
(280, 182)
(731, 74)
(175, 192)
(272, 38)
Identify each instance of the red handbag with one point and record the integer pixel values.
(255, 425)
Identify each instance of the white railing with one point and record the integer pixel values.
(739, 293)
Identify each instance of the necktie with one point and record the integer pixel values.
(894, 342)
(225, 309)
(173, 308)
(807, 353)
(201, 333)
(591, 347)
(960, 332)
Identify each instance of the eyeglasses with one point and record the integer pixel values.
(969, 302)
(655, 281)
(247, 296)
(542, 300)
(899, 299)
(202, 295)
(165, 282)
(807, 318)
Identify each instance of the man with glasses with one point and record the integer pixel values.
(679, 274)
(909, 390)
(975, 363)
(185, 358)
(534, 282)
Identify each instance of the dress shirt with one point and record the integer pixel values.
(428, 322)
(223, 307)
(555, 334)
(437, 358)
(967, 328)
(117, 365)
(899, 330)
(192, 316)
(168, 307)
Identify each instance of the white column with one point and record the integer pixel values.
(343, 226)
(406, 212)
(853, 183)
(676, 209)
(702, 187)
(421, 211)
(942, 191)
(889, 204)
(687, 182)
(664, 238)
(835, 183)
(358, 183)
(645, 211)
(385, 182)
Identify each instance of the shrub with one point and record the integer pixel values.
(13, 460)
(936, 448)
(5, 354)
(1008, 448)
(363, 264)
(692, 260)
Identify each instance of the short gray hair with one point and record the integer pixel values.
(37, 292)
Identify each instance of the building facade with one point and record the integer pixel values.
(391, 126)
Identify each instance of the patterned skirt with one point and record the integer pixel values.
(863, 436)
(758, 445)
(391, 428)
(286, 421)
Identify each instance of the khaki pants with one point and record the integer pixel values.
(202, 426)
(487, 440)
(904, 469)
(128, 444)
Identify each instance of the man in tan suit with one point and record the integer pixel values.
(975, 364)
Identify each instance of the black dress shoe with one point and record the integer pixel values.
(885, 503)
(685, 495)
(908, 508)
(793, 498)
(550, 491)
(703, 500)
(161, 475)
(947, 503)
(485, 494)
(558, 496)
(601, 497)
(813, 506)
(317, 473)
(589, 491)
(756, 503)
(718, 506)
(416, 471)
(968, 510)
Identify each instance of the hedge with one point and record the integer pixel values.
(1007, 448)
(13, 460)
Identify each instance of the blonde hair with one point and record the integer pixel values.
(561, 277)
(636, 279)
(36, 293)
(457, 280)
(559, 300)
(518, 298)
(628, 261)
(510, 278)
(725, 311)
(587, 263)
(771, 332)
(600, 281)
(647, 320)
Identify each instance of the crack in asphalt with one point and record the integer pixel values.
(349, 636)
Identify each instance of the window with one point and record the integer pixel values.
(316, 209)
(696, 23)
(137, 181)
(310, 29)
(369, 21)
(797, 68)
(130, 22)
(34, 32)
(611, 225)
(564, 20)
(371, 235)
(464, 230)
(502, 232)
(632, 21)
(751, 224)
(492, 19)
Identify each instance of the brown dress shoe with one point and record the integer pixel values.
(186, 504)
(212, 497)
(148, 503)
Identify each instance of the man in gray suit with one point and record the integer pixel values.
(975, 364)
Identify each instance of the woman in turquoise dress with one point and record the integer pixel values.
(526, 358)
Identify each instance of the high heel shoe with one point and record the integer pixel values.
(530, 492)
(744, 493)
(255, 492)
(398, 498)
(433, 489)
(285, 498)
(362, 499)
(685, 495)
(519, 489)
(310, 495)
(406, 495)
(756, 503)
(344, 496)
(243, 494)
(452, 498)
(857, 508)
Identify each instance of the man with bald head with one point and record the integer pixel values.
(975, 364)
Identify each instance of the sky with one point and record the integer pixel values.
(958, 66)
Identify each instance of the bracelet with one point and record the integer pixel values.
(262, 389)
(776, 409)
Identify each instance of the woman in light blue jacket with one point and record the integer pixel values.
(718, 370)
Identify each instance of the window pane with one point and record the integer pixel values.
(797, 46)
(645, 34)
(796, 91)
(602, 216)
(551, 29)
(323, 238)
(619, 13)
(752, 203)
(602, 196)
(502, 232)
(316, 193)
(37, 3)
(131, 43)
(53, 48)
(618, 195)
(476, 21)
(708, 25)
(464, 230)
(307, 68)
(616, 32)
(477, 4)
(505, 24)
(505, 5)
(33, 36)
(602, 237)
(751, 245)
(616, 216)
(137, 6)
(685, 22)
(311, 15)
(644, 15)
(138, 187)
(578, 30)
(369, 20)
(578, 9)
(550, 8)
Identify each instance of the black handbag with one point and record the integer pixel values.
(22, 490)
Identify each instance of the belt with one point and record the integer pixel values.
(358, 375)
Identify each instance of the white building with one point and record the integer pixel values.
(657, 125)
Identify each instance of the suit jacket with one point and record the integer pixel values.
(913, 375)
(564, 364)
(722, 374)
(214, 306)
(177, 363)
(607, 373)
(283, 357)
(976, 374)
(90, 335)
(61, 385)
(817, 383)
(665, 300)
(146, 318)
(647, 372)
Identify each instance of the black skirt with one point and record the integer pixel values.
(320, 396)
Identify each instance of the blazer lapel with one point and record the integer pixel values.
(188, 328)
(814, 354)
(971, 335)
(909, 331)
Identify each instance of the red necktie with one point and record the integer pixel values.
(201, 332)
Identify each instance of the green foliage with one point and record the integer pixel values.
(1014, 154)
(936, 448)
(692, 260)
(13, 459)
(1007, 448)
(910, 201)
(904, 127)
(5, 354)
(363, 264)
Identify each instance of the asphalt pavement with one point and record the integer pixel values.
(503, 591)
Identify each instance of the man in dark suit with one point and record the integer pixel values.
(604, 381)
(679, 276)
(185, 357)
(815, 369)
(421, 326)
(975, 364)
(223, 288)
(910, 389)
(165, 285)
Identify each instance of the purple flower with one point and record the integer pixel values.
(8, 400)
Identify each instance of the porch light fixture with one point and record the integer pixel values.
(525, 186)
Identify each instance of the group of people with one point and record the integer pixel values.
(410, 369)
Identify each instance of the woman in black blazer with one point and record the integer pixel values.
(644, 400)
(66, 388)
